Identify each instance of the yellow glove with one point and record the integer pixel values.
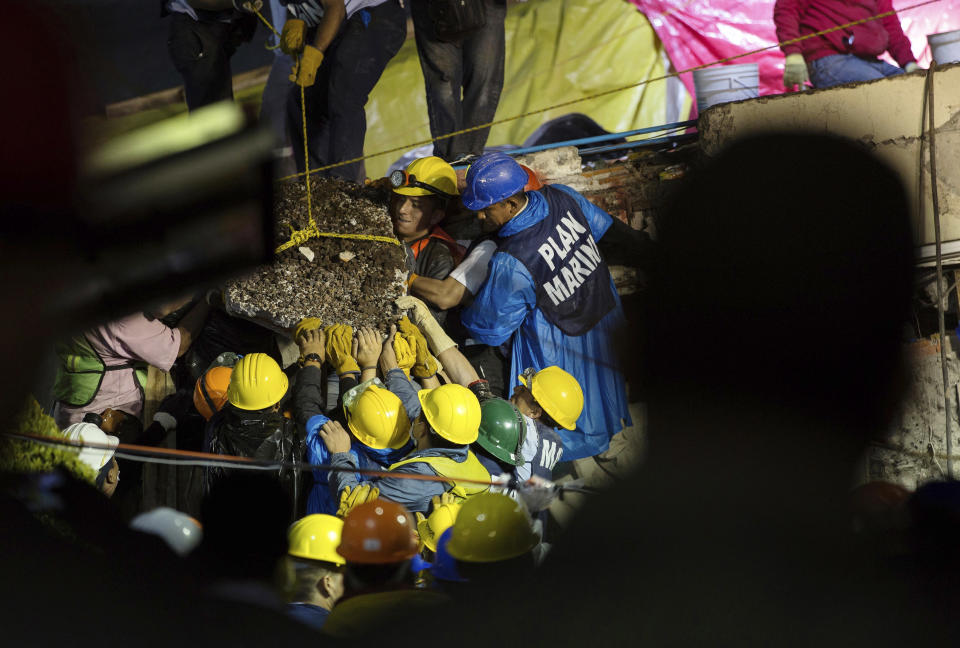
(795, 71)
(292, 37)
(359, 495)
(438, 340)
(405, 350)
(447, 498)
(425, 365)
(306, 324)
(339, 344)
(305, 70)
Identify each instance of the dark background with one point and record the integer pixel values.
(121, 48)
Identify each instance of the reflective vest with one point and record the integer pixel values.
(439, 235)
(470, 468)
(81, 372)
(570, 275)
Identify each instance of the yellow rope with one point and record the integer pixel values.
(604, 93)
(306, 157)
(311, 231)
(299, 237)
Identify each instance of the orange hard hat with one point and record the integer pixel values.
(533, 179)
(210, 392)
(378, 532)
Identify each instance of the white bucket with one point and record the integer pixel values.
(725, 83)
(945, 47)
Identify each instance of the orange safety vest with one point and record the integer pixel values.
(437, 233)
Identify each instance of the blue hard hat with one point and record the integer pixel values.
(492, 178)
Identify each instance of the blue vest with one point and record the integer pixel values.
(571, 278)
(549, 451)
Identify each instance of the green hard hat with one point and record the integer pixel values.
(502, 430)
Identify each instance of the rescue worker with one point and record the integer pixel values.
(380, 431)
(210, 392)
(500, 439)
(447, 424)
(251, 423)
(106, 367)
(417, 205)
(549, 290)
(549, 400)
(377, 418)
(318, 568)
(204, 35)
(493, 540)
(378, 541)
(459, 287)
(341, 48)
(98, 455)
(845, 55)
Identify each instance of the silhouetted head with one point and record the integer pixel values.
(785, 280)
(245, 519)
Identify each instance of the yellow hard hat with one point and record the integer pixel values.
(427, 176)
(442, 518)
(316, 537)
(452, 411)
(558, 393)
(306, 324)
(491, 527)
(257, 382)
(378, 419)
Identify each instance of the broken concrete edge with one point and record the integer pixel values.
(885, 115)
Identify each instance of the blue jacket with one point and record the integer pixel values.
(413, 494)
(320, 499)
(506, 307)
(308, 614)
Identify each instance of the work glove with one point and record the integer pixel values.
(795, 71)
(445, 500)
(248, 6)
(425, 365)
(350, 498)
(481, 389)
(306, 324)
(293, 36)
(305, 69)
(438, 340)
(405, 349)
(911, 67)
(339, 345)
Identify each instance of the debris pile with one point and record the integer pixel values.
(335, 279)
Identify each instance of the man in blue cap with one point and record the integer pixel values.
(550, 290)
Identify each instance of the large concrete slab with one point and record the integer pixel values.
(886, 115)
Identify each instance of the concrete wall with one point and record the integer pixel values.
(885, 115)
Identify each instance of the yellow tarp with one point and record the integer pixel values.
(556, 50)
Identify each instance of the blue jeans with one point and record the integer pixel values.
(273, 109)
(352, 65)
(838, 69)
(463, 79)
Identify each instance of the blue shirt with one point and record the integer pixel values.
(506, 308)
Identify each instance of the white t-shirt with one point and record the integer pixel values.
(473, 270)
(311, 11)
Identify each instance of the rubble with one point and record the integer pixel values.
(312, 280)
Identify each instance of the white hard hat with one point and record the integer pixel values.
(95, 457)
(181, 532)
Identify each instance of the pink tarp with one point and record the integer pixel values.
(695, 32)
